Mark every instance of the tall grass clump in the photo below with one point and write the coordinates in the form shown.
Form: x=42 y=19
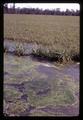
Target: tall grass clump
x=46 y=53
x=75 y=56
x=19 y=49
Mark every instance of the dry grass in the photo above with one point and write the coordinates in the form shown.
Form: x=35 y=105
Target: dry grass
x=57 y=33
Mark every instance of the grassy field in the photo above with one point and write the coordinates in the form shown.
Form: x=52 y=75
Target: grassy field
x=57 y=34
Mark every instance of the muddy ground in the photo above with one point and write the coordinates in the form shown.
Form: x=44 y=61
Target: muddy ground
x=39 y=88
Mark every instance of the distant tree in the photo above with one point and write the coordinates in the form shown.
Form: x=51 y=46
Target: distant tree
x=67 y=12
x=62 y=13
x=57 y=11
x=13 y=7
x=6 y=8
x=72 y=12
x=17 y=10
x=77 y=13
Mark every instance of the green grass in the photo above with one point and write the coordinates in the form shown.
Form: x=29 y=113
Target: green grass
x=55 y=33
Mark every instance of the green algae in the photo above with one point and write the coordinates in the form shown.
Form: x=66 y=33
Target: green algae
x=21 y=77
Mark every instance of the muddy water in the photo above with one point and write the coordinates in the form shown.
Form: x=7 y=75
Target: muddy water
x=36 y=88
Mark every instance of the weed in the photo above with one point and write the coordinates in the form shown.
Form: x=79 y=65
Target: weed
x=19 y=50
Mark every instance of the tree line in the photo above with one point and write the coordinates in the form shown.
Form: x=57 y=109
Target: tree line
x=38 y=11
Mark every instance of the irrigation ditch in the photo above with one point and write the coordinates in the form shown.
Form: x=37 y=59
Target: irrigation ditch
x=34 y=86
x=39 y=51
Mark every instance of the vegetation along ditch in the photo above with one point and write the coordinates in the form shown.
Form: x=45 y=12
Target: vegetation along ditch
x=39 y=51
